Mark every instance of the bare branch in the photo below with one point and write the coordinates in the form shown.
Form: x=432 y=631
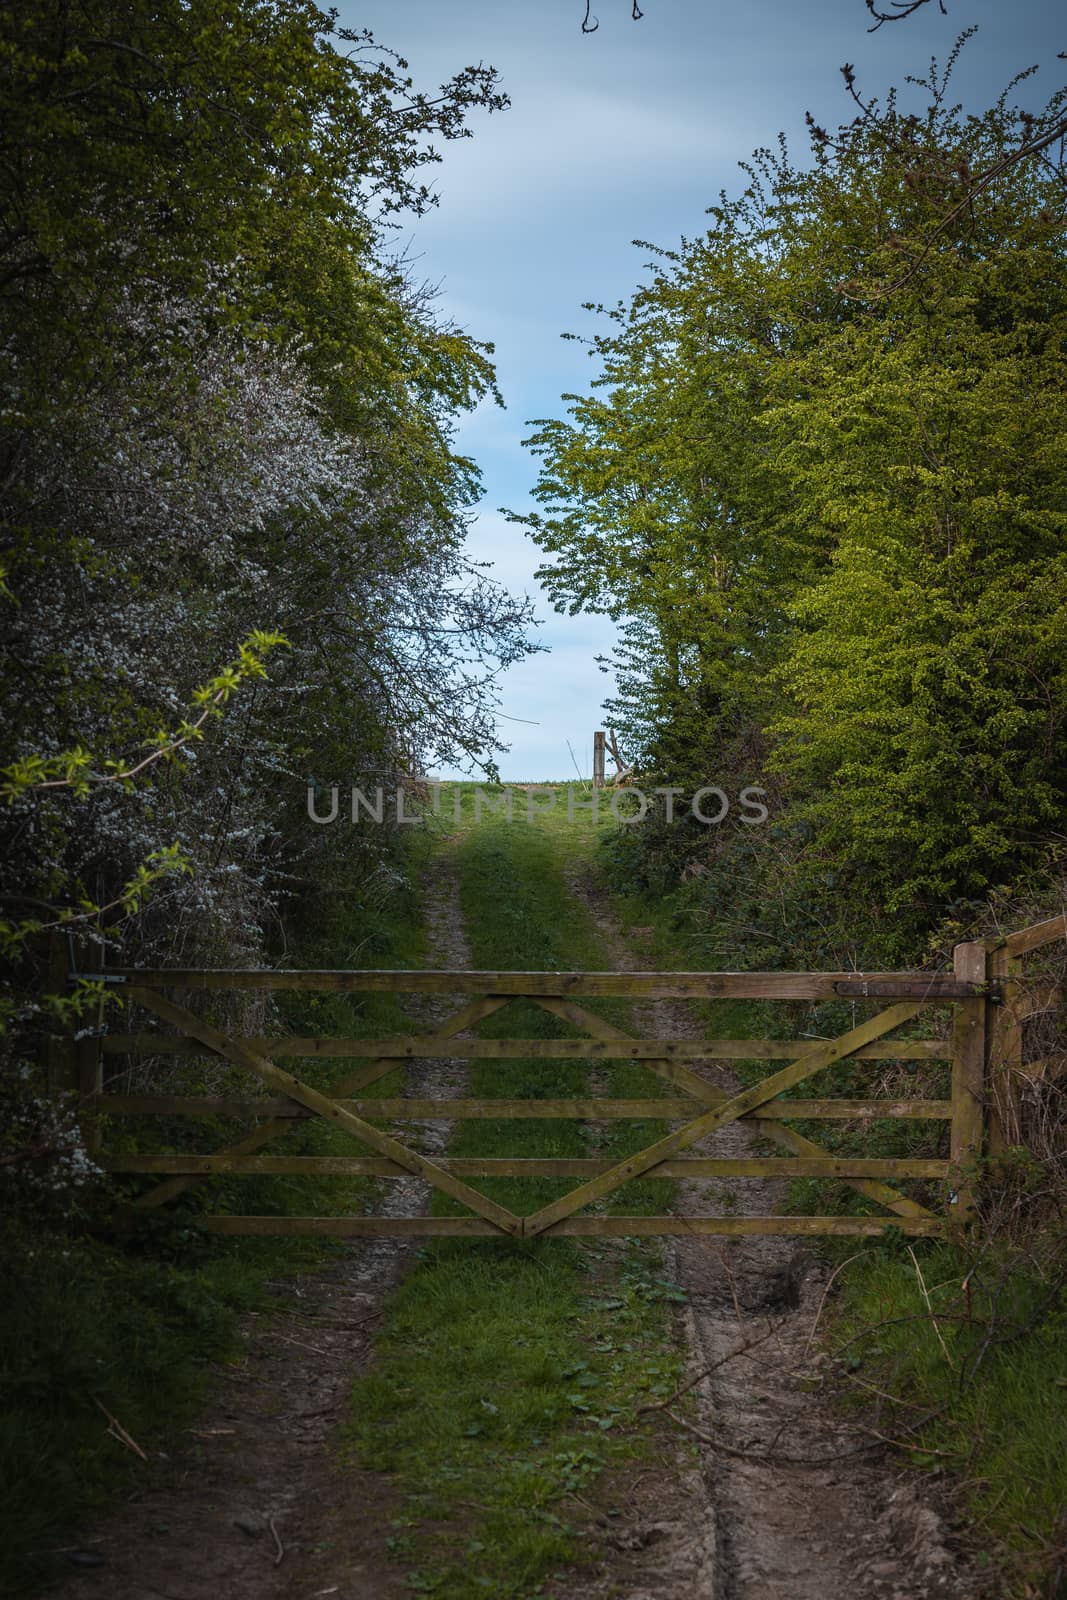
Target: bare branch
x=974 y=187
x=901 y=9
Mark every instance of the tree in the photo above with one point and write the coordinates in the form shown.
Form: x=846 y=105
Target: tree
x=820 y=466
x=227 y=474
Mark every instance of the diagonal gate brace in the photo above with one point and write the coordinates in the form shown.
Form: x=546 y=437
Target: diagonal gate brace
x=685 y=1078
x=814 y=1060
x=323 y=1106
x=256 y=1138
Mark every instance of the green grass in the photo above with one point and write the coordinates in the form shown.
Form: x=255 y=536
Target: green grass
x=992 y=1365
x=502 y=1386
x=521 y=912
x=506 y=1375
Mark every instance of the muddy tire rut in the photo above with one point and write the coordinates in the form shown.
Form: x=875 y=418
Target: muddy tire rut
x=824 y=1517
x=256 y=1505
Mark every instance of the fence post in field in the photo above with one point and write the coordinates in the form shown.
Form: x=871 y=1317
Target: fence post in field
x=968 y=1073
x=598 y=759
x=1005 y=1052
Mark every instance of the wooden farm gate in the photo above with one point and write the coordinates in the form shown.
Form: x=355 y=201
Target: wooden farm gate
x=983 y=1044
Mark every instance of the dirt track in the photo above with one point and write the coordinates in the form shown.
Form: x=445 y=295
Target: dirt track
x=787 y=1503
x=259 y=1475
x=821 y=1517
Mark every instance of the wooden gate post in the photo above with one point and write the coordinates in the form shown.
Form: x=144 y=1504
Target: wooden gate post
x=1005 y=1053
x=968 y=1073
x=73 y=1058
x=598 y=759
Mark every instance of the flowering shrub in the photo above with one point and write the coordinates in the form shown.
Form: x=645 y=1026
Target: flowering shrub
x=233 y=557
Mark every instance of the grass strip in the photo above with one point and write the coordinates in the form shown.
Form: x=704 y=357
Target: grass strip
x=505 y=1374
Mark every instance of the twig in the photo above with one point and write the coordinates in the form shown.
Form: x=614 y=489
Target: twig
x=65 y=1549
x=661 y=1405
x=117 y=1431
x=728 y=1268
x=574 y=758
x=829 y=1284
x=929 y=1305
x=569 y=1494
x=902 y=9
x=364 y=1320
x=896 y=1322
x=902 y=1444
x=277 y=1542
x=776 y=1458
x=883 y=1394
x=315 y=1351
x=168 y=749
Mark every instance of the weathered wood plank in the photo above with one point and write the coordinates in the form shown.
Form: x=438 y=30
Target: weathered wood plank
x=61 y=1074
x=1039 y=933
x=575 y=1227
x=397 y=1108
x=540 y=1167
x=143 y=1105
x=746 y=1227
x=968 y=1073
x=87 y=1058
x=90 y=1068
x=644 y=985
x=166 y=1044
x=815 y=1060
x=924 y=988
x=855 y=1110
x=314 y=1101
x=353 y=1227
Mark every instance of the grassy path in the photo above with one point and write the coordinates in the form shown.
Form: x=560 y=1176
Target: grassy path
x=503 y=1392
x=466 y=1418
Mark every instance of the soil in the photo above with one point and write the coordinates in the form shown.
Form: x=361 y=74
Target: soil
x=257 y=1505
x=825 y=1517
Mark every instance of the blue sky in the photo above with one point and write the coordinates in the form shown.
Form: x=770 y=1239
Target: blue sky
x=627 y=133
